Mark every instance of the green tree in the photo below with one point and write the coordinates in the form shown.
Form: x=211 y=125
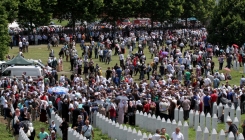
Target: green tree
x=33 y=12
x=78 y=10
x=114 y=10
x=4 y=36
x=227 y=23
x=11 y=8
x=161 y=10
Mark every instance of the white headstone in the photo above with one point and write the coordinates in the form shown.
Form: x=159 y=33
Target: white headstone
x=214 y=121
x=164 y=124
x=226 y=111
x=110 y=127
x=202 y=120
x=125 y=131
x=240 y=137
x=198 y=133
x=176 y=114
x=191 y=118
x=231 y=136
x=145 y=121
x=238 y=113
x=148 y=123
x=214 y=109
x=116 y=131
x=222 y=135
x=226 y=125
x=185 y=130
x=134 y=134
x=180 y=125
x=173 y=126
x=81 y=137
x=232 y=112
x=235 y=121
x=208 y=121
x=139 y=134
x=106 y=125
x=120 y=136
x=141 y=123
x=205 y=134
x=103 y=127
x=220 y=110
x=181 y=114
x=214 y=135
x=137 y=117
x=145 y=137
x=129 y=134
x=159 y=122
x=154 y=123
x=168 y=127
x=196 y=120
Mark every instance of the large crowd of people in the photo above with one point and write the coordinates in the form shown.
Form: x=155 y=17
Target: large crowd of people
x=180 y=72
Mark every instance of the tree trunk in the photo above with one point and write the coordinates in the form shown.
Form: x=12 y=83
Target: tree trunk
x=73 y=25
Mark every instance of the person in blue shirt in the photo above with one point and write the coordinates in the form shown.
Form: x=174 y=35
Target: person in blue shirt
x=119 y=71
x=207 y=102
x=116 y=80
x=104 y=55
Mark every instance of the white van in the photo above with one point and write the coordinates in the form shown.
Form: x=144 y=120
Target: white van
x=17 y=71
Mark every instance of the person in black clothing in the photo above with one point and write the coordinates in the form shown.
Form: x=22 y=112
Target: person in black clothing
x=242 y=100
x=8 y=116
x=84 y=115
x=65 y=109
x=78 y=124
x=64 y=128
x=131 y=113
x=76 y=112
x=16 y=129
x=116 y=66
x=108 y=73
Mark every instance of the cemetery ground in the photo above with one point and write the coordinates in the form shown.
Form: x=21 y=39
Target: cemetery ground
x=41 y=52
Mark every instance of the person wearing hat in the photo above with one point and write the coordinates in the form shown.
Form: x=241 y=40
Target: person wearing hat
x=232 y=128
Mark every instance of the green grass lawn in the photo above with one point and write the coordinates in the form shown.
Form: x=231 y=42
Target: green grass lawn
x=41 y=52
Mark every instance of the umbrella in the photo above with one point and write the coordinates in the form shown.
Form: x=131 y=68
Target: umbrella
x=191 y=19
x=58 y=90
x=227 y=69
x=165 y=53
x=122 y=98
x=168 y=42
x=235 y=45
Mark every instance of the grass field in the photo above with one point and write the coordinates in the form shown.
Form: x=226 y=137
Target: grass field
x=41 y=52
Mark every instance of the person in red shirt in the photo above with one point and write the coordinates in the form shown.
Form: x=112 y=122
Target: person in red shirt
x=146 y=107
x=113 y=113
x=213 y=99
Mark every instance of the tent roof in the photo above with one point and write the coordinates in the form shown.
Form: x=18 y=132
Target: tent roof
x=19 y=60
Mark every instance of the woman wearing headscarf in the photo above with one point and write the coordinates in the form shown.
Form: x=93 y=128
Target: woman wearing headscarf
x=64 y=127
x=131 y=113
x=32 y=132
x=43 y=108
x=121 y=111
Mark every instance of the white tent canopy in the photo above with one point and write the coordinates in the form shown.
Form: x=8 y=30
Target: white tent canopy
x=13 y=25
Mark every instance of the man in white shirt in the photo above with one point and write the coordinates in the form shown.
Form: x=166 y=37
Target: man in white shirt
x=157 y=136
x=177 y=135
x=20 y=45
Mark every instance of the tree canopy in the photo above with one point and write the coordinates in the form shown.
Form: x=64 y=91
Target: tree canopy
x=4 y=37
x=227 y=23
x=114 y=10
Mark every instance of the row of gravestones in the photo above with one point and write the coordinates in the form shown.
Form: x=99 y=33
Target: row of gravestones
x=117 y=131
x=205 y=135
x=72 y=134
x=22 y=135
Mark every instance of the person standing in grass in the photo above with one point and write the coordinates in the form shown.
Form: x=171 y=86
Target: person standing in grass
x=43 y=134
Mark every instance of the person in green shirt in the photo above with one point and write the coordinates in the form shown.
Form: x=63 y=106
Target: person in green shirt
x=42 y=134
x=187 y=75
x=163 y=132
